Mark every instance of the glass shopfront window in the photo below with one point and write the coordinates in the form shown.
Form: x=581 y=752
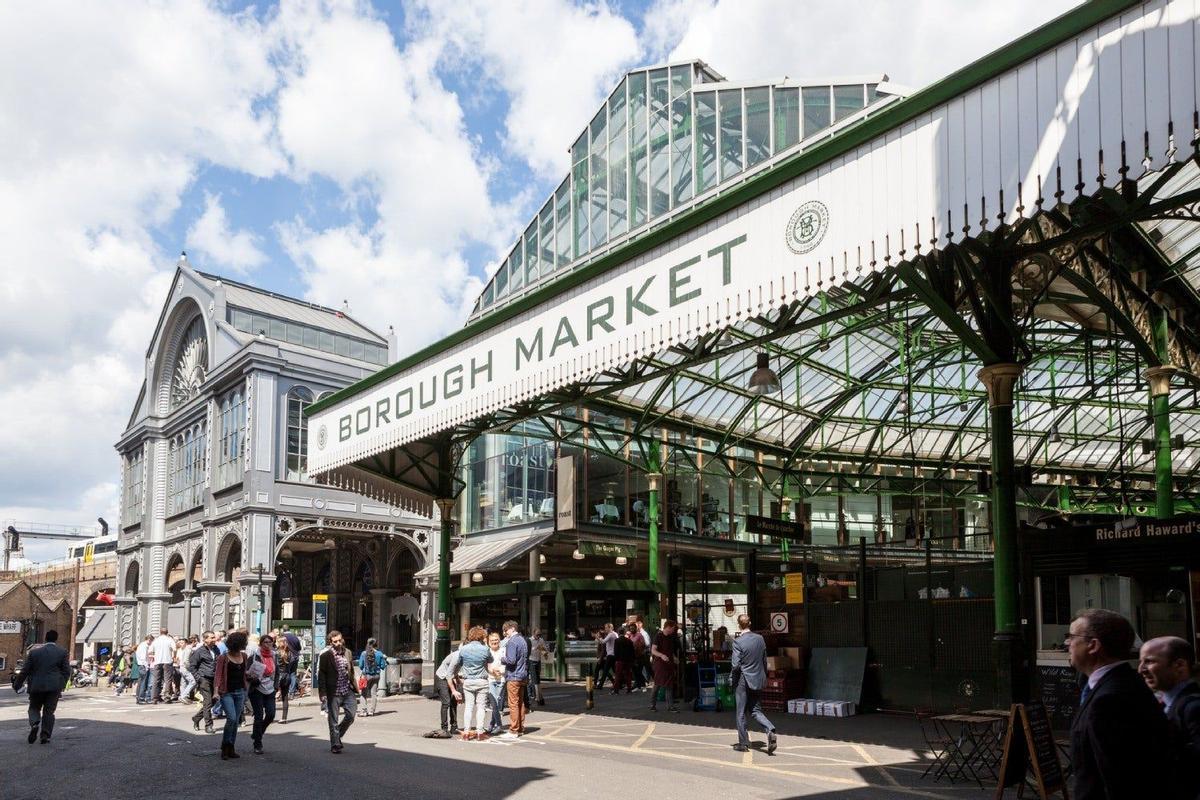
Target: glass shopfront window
x=509 y=481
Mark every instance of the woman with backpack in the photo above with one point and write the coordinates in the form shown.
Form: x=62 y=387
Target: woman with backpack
x=261 y=676
x=229 y=686
x=371 y=664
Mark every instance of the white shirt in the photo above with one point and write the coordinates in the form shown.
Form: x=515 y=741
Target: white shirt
x=497 y=662
x=184 y=653
x=449 y=666
x=143 y=654
x=1100 y=672
x=610 y=642
x=163 y=648
x=646 y=637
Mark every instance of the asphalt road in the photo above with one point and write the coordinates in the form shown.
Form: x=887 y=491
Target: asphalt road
x=111 y=748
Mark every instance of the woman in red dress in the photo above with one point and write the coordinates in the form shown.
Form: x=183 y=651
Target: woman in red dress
x=664 y=658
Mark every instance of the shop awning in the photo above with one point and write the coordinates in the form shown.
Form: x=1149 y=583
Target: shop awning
x=490 y=555
x=97 y=628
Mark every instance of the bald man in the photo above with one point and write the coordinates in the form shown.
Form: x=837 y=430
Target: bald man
x=1166 y=664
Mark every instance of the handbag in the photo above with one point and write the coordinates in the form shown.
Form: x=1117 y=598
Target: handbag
x=362 y=683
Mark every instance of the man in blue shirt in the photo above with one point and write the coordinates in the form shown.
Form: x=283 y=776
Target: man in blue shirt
x=516 y=676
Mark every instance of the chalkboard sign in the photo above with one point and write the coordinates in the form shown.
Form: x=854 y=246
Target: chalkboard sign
x=836 y=673
x=1059 y=692
x=1029 y=747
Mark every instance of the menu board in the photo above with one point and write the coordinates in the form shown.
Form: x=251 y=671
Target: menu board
x=1059 y=693
x=1029 y=747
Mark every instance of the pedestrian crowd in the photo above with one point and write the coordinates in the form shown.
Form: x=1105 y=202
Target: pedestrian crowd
x=245 y=679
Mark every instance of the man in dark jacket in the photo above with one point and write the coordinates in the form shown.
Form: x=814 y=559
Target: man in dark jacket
x=45 y=672
x=337 y=688
x=1167 y=664
x=201 y=664
x=1119 y=737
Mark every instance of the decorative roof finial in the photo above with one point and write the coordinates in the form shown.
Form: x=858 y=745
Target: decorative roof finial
x=182 y=262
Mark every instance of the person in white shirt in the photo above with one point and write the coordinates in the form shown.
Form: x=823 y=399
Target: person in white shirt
x=142 y=656
x=162 y=649
x=537 y=651
x=187 y=681
x=609 y=638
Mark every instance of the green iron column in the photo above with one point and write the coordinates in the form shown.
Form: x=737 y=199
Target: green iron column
x=654 y=479
x=652 y=609
x=560 y=633
x=1160 y=401
x=441 y=647
x=1000 y=379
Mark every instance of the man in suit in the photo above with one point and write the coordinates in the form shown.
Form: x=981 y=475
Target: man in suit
x=45 y=672
x=1167 y=664
x=1119 y=737
x=749 y=667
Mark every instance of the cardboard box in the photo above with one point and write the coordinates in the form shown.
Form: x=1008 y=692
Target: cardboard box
x=781 y=661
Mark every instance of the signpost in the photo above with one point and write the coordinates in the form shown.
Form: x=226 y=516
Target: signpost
x=1029 y=746
x=320 y=621
x=782 y=528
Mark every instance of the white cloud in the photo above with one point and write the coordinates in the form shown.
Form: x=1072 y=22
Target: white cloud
x=914 y=43
x=109 y=112
x=210 y=234
x=555 y=62
x=401 y=143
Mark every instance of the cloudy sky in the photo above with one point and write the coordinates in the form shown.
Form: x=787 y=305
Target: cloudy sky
x=385 y=154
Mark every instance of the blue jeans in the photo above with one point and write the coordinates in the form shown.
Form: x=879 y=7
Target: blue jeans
x=231 y=704
x=143 y=687
x=499 y=700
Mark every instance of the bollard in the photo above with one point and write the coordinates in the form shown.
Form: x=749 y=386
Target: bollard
x=591 y=687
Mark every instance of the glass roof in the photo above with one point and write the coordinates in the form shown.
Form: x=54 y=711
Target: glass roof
x=666 y=139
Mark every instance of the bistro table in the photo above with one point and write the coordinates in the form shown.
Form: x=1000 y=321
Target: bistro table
x=972 y=747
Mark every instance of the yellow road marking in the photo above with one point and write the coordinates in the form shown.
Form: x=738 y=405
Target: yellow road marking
x=867 y=757
x=855 y=783
x=644 y=736
x=748 y=758
x=562 y=728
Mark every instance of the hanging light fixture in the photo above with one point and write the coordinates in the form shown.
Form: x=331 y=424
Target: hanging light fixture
x=902 y=406
x=1055 y=434
x=477 y=577
x=763 y=380
x=541 y=558
x=599 y=577
x=578 y=556
x=622 y=561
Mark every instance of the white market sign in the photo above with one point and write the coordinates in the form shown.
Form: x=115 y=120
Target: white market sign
x=10 y=626
x=1003 y=148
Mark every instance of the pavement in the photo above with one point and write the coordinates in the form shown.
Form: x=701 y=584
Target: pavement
x=109 y=747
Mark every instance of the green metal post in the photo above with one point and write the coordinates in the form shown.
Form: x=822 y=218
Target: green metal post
x=1012 y=668
x=1064 y=497
x=441 y=647
x=1160 y=401
x=560 y=633
x=652 y=544
x=1000 y=380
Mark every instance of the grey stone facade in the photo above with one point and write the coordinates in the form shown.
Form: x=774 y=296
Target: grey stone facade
x=213 y=484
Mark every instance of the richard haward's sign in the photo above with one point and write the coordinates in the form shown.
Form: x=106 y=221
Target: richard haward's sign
x=1149 y=530
x=939 y=166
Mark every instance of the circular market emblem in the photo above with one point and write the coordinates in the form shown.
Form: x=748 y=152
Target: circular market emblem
x=322 y=437
x=807 y=227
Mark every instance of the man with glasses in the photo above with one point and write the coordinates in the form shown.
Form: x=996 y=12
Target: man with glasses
x=1119 y=737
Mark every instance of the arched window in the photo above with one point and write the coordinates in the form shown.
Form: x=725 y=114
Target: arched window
x=298 y=399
